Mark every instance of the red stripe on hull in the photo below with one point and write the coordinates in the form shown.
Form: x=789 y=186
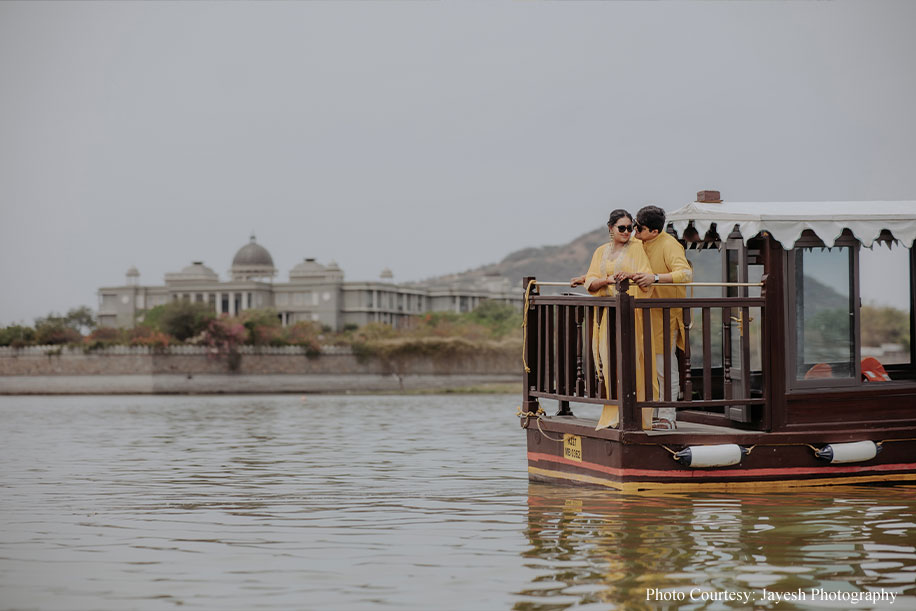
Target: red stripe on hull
x=727 y=472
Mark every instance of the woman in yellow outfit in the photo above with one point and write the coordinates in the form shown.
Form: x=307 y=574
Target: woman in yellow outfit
x=620 y=258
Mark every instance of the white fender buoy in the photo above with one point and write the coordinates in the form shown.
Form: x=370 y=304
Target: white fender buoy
x=710 y=456
x=856 y=451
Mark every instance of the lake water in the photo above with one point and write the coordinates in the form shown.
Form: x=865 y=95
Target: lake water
x=386 y=502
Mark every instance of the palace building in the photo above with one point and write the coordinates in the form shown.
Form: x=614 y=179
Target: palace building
x=314 y=292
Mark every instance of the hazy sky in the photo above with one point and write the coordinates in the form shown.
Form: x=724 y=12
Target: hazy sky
x=424 y=137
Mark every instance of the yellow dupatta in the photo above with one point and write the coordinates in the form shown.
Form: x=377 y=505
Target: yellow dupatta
x=631 y=260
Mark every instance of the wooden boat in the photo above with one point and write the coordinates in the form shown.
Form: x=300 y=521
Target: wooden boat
x=773 y=392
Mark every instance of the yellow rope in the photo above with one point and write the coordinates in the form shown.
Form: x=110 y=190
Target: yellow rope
x=560 y=440
x=520 y=413
x=538 y=415
x=525 y=325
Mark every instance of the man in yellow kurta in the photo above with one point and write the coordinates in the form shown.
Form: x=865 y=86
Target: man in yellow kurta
x=669 y=264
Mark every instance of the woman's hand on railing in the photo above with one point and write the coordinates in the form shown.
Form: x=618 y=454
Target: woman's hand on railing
x=595 y=285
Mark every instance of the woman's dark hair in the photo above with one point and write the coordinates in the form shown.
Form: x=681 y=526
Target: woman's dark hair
x=616 y=215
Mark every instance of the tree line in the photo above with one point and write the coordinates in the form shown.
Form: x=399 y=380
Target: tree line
x=182 y=322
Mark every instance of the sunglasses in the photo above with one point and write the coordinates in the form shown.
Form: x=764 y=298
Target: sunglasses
x=624 y=228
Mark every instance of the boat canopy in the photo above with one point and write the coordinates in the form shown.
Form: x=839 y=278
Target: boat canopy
x=786 y=221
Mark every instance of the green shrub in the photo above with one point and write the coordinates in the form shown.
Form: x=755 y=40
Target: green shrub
x=82 y=319
x=17 y=336
x=180 y=319
x=500 y=318
x=376 y=331
x=885 y=325
x=55 y=331
x=263 y=326
x=103 y=337
x=147 y=336
x=224 y=336
x=78 y=319
x=306 y=334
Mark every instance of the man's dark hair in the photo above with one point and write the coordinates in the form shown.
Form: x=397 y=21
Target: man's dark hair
x=652 y=217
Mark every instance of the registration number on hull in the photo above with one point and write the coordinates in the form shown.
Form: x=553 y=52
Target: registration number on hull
x=572 y=447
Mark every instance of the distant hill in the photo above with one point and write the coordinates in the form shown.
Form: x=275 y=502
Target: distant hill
x=554 y=263
x=820 y=297
x=559 y=263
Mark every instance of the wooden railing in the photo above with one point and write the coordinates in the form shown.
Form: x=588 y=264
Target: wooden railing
x=560 y=341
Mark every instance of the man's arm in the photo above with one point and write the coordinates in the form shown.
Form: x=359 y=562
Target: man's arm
x=677 y=264
x=679 y=269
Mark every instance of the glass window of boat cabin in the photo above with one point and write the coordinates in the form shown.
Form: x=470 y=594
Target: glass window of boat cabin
x=706 y=261
x=834 y=327
x=712 y=261
x=886 y=304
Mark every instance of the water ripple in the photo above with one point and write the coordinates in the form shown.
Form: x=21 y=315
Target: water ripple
x=386 y=503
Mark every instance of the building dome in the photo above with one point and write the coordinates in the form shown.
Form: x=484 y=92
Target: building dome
x=308 y=268
x=252 y=253
x=133 y=276
x=252 y=261
x=196 y=272
x=198 y=269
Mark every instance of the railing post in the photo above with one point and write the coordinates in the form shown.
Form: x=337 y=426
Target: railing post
x=770 y=344
x=566 y=346
x=529 y=403
x=625 y=326
x=580 y=377
x=686 y=375
x=727 y=354
x=562 y=364
x=665 y=393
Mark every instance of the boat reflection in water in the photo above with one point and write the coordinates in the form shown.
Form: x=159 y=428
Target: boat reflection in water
x=818 y=549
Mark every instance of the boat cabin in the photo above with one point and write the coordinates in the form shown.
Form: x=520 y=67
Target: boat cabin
x=800 y=318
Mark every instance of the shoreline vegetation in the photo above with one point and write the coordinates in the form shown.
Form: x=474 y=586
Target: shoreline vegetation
x=493 y=388
x=184 y=347
x=491 y=326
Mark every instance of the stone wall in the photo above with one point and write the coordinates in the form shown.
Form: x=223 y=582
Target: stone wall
x=192 y=369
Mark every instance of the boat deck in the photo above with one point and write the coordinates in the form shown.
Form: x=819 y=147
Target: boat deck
x=683 y=427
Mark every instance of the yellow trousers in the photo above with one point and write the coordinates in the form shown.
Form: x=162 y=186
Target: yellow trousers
x=610 y=414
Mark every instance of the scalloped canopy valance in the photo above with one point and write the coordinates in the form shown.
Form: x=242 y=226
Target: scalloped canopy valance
x=786 y=221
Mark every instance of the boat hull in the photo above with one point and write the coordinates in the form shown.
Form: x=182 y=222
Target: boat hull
x=564 y=452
